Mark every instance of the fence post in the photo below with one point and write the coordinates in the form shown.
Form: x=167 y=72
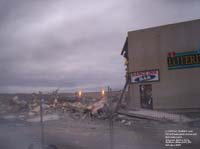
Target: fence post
x=109 y=96
x=41 y=120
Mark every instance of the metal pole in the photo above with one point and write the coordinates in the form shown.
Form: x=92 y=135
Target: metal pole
x=110 y=118
x=121 y=96
x=41 y=123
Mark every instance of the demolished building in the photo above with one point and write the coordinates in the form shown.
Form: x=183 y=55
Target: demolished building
x=163 y=67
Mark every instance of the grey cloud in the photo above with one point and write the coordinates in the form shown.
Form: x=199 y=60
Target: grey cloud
x=74 y=44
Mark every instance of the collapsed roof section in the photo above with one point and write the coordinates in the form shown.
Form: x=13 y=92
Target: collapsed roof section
x=125 y=49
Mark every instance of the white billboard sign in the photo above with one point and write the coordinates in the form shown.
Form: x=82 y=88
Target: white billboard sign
x=145 y=76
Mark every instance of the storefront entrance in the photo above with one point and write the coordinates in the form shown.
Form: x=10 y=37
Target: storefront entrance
x=146 y=96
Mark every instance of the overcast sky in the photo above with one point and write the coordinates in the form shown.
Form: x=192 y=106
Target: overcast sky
x=75 y=44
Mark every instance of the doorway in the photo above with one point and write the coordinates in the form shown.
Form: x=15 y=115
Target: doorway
x=146 y=96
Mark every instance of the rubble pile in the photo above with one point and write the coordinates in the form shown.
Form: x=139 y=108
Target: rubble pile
x=80 y=107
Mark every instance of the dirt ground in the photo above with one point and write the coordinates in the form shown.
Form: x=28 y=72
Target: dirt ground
x=76 y=133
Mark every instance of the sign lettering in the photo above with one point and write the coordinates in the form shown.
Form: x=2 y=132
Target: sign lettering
x=184 y=60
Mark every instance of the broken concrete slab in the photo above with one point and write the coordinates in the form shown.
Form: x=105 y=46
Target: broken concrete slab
x=36 y=109
x=50 y=117
x=9 y=117
x=97 y=106
x=156 y=115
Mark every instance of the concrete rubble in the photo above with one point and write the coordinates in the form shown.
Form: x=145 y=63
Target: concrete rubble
x=53 y=105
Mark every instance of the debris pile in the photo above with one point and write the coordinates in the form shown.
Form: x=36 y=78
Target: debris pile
x=54 y=103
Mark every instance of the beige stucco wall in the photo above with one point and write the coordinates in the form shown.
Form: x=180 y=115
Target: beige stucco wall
x=148 y=49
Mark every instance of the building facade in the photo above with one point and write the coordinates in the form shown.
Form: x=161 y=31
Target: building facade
x=163 y=66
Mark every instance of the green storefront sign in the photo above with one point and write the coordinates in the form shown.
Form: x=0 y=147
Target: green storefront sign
x=183 y=60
